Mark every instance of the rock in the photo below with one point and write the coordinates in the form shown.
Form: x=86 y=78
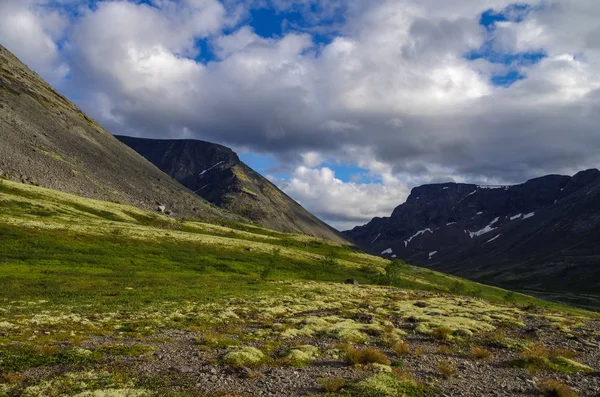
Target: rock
x=182 y=369
x=421 y=304
x=245 y=372
x=351 y=281
x=161 y=208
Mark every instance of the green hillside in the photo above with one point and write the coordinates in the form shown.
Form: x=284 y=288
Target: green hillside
x=104 y=299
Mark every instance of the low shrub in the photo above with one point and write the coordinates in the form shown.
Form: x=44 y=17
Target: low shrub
x=441 y=333
x=401 y=348
x=331 y=385
x=447 y=369
x=555 y=388
x=480 y=353
x=366 y=356
x=446 y=350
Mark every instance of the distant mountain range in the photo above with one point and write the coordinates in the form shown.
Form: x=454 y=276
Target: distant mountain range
x=216 y=173
x=542 y=236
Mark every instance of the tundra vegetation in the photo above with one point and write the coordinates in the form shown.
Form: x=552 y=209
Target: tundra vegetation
x=103 y=299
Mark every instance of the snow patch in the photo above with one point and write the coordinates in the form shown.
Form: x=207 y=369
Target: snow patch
x=493 y=186
x=446 y=188
x=415 y=235
x=473 y=192
x=196 y=191
x=208 y=169
x=432 y=254
x=485 y=230
x=387 y=251
x=512 y=218
x=376 y=238
x=527 y=216
x=492 y=239
x=480 y=212
x=451 y=223
x=393 y=256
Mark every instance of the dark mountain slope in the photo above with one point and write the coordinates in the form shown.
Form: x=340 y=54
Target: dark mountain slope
x=542 y=236
x=47 y=141
x=216 y=173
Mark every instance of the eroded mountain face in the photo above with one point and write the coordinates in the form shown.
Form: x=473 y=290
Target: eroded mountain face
x=541 y=235
x=216 y=173
x=47 y=141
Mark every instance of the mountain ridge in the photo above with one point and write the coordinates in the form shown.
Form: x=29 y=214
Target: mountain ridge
x=536 y=236
x=216 y=173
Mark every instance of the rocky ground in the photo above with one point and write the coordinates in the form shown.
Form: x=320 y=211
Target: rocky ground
x=303 y=342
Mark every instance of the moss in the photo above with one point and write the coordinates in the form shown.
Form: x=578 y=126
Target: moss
x=115 y=393
x=388 y=385
x=246 y=356
x=377 y=367
x=564 y=364
x=303 y=354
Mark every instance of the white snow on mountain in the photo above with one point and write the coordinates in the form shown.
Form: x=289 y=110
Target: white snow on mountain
x=485 y=230
x=415 y=235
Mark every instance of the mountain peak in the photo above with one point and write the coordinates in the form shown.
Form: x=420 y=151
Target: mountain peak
x=216 y=173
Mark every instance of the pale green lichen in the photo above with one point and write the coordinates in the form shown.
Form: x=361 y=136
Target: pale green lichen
x=303 y=354
x=571 y=365
x=385 y=384
x=377 y=367
x=244 y=357
x=115 y=393
x=7 y=325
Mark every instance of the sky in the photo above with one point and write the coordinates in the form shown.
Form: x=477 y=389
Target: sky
x=345 y=105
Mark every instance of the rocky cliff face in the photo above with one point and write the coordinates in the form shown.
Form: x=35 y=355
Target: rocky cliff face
x=216 y=173
x=542 y=236
x=47 y=141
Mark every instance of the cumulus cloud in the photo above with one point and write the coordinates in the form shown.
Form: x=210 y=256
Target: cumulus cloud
x=330 y=197
x=32 y=29
x=394 y=91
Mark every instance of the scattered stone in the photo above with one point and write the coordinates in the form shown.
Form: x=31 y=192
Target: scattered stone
x=351 y=281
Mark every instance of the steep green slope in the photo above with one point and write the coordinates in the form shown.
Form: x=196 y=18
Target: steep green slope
x=47 y=141
x=216 y=173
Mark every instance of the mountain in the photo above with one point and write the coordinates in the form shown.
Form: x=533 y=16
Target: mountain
x=216 y=173
x=542 y=236
x=47 y=141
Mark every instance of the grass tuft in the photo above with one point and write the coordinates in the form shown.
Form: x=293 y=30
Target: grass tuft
x=555 y=388
x=480 y=353
x=441 y=333
x=331 y=385
x=447 y=369
x=366 y=356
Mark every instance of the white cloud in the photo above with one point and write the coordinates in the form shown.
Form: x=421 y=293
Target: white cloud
x=31 y=32
x=342 y=204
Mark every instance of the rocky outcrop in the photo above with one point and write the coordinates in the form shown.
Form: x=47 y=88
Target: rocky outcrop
x=216 y=173
x=540 y=236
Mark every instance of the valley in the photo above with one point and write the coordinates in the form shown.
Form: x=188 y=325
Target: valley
x=98 y=298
